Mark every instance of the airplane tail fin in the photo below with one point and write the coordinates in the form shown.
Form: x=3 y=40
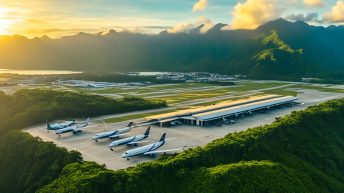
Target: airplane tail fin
x=163 y=137
x=48 y=125
x=87 y=120
x=147 y=131
x=130 y=124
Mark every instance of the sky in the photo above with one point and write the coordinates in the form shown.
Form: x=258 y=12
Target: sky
x=57 y=18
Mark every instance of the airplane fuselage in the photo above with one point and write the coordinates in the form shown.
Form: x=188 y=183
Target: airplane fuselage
x=66 y=130
x=128 y=140
x=58 y=126
x=143 y=149
x=110 y=134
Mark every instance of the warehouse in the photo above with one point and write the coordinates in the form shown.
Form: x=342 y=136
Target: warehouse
x=190 y=112
x=223 y=111
x=204 y=119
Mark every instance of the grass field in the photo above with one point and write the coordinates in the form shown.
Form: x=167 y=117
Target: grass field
x=282 y=91
x=135 y=116
x=238 y=89
x=319 y=88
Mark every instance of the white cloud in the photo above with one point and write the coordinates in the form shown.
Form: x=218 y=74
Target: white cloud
x=200 y=5
x=187 y=27
x=310 y=17
x=252 y=13
x=336 y=15
x=181 y=28
x=313 y=3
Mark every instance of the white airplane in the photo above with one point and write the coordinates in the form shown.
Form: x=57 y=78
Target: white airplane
x=113 y=134
x=148 y=149
x=76 y=128
x=57 y=126
x=134 y=140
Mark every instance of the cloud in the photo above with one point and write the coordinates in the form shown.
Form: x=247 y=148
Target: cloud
x=200 y=5
x=187 y=27
x=252 y=13
x=313 y=3
x=336 y=15
x=310 y=17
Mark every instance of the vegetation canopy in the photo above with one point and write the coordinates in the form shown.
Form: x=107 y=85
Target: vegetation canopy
x=32 y=106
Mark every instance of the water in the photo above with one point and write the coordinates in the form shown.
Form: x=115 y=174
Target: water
x=37 y=72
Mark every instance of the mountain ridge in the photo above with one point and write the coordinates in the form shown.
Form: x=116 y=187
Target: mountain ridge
x=218 y=50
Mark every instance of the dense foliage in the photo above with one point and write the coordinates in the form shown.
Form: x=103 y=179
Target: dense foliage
x=27 y=163
x=302 y=152
x=27 y=107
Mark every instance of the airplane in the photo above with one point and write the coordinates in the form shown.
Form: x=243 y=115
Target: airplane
x=74 y=128
x=148 y=149
x=57 y=126
x=113 y=134
x=134 y=140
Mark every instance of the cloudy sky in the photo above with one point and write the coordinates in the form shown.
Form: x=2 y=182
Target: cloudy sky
x=65 y=17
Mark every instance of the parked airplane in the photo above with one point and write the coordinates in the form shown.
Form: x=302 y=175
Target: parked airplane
x=148 y=149
x=134 y=140
x=76 y=128
x=113 y=134
x=57 y=126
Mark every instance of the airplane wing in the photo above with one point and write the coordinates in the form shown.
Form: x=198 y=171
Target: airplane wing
x=161 y=151
x=81 y=126
x=137 y=142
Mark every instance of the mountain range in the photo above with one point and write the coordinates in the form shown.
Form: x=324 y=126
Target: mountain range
x=279 y=49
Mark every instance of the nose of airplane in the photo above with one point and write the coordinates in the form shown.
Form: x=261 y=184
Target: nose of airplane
x=112 y=144
x=124 y=155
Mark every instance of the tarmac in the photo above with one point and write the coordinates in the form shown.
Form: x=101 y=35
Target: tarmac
x=183 y=135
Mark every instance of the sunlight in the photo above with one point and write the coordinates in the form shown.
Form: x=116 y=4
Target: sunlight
x=5 y=23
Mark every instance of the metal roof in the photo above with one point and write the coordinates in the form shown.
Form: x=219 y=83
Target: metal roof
x=210 y=108
x=243 y=108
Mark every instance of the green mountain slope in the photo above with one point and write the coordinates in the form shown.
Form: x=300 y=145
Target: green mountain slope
x=302 y=152
x=276 y=55
x=273 y=58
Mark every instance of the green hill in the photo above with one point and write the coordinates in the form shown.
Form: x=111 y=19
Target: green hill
x=274 y=59
x=302 y=152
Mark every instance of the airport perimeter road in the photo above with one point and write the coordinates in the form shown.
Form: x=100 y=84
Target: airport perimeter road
x=184 y=135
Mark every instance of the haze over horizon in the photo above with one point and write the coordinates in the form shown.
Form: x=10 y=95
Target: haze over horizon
x=34 y=18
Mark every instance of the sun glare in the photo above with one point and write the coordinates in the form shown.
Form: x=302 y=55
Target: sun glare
x=5 y=23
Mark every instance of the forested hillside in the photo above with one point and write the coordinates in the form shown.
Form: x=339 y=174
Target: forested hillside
x=302 y=152
x=27 y=107
x=277 y=50
x=27 y=163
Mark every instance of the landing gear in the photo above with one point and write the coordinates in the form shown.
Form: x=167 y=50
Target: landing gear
x=111 y=149
x=127 y=158
x=59 y=136
x=96 y=140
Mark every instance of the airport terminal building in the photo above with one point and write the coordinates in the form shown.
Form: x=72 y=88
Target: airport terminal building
x=212 y=114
